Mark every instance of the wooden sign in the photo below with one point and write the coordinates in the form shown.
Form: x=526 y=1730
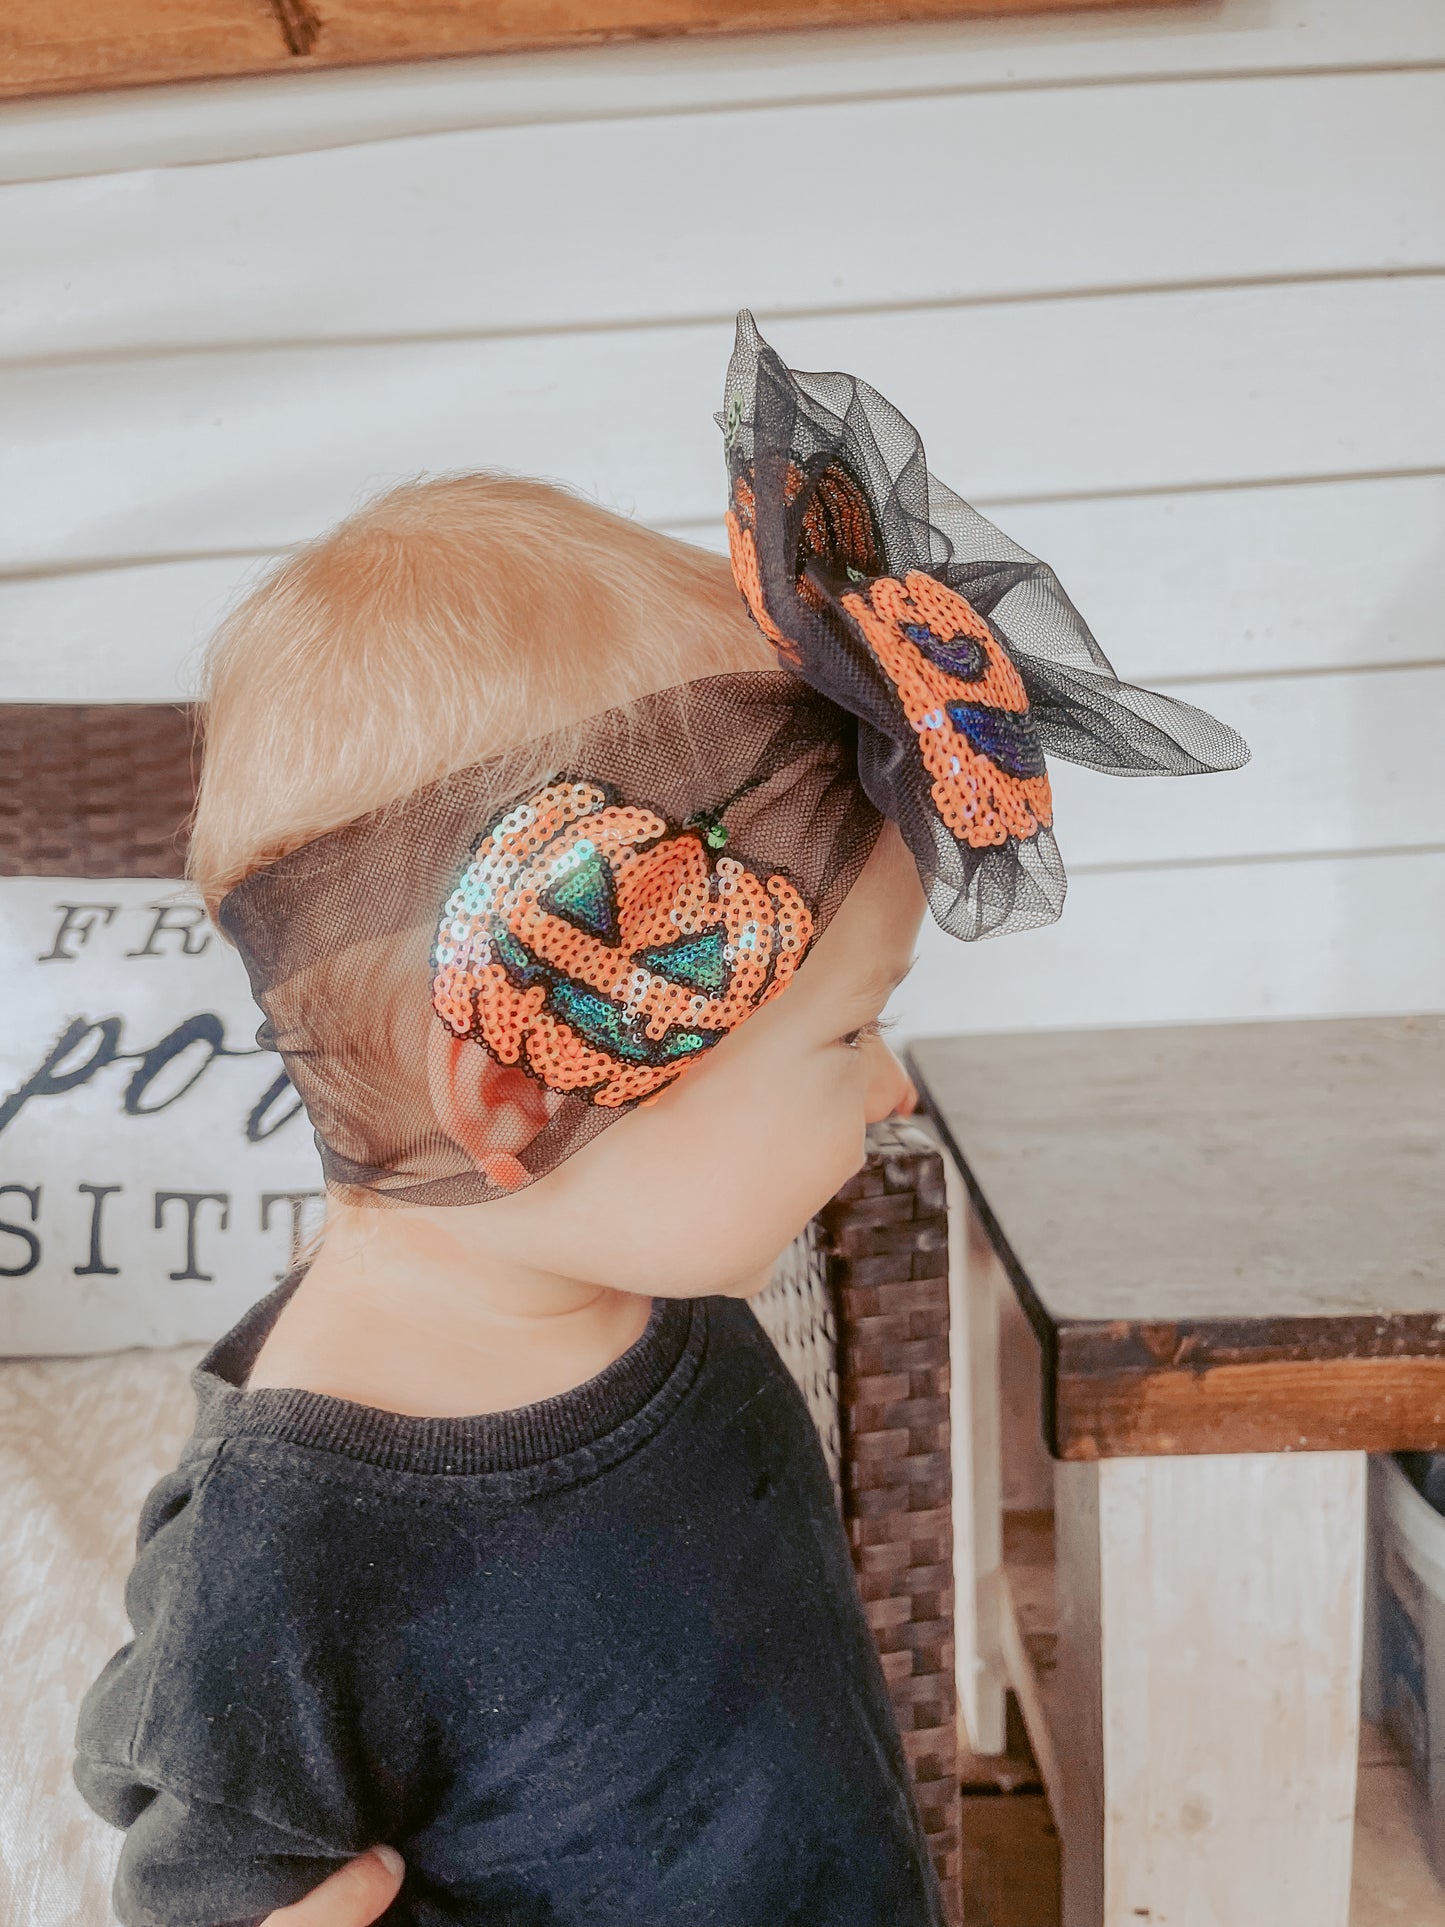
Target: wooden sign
x=156 y=1170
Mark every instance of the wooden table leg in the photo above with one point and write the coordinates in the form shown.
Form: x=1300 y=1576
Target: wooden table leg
x=1209 y=1688
x=973 y=1324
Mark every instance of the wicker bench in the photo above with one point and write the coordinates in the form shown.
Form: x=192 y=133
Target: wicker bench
x=859 y=1310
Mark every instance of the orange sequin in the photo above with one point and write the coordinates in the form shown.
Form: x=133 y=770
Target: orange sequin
x=743 y=551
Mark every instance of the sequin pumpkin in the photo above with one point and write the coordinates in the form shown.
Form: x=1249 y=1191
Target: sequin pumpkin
x=603 y=949
x=971 y=717
x=961 y=694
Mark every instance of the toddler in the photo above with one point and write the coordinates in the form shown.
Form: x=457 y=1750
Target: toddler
x=573 y=899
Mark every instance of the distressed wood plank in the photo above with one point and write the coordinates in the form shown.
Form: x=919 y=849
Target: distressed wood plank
x=1240 y=1576
x=1264 y=1404
x=96 y=43
x=56 y=46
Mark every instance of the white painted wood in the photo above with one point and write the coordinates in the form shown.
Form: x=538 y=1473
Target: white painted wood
x=1340 y=762
x=132 y=634
x=1034 y=1686
x=1237 y=483
x=152 y=127
x=978 y=1583
x=1209 y=1658
x=1213 y=943
x=1253 y=581
x=181 y=455
x=523 y=229
x=1233 y=582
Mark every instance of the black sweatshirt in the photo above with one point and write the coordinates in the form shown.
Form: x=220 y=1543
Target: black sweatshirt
x=595 y=1662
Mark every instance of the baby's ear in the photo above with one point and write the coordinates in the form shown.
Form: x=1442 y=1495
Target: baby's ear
x=493 y=1111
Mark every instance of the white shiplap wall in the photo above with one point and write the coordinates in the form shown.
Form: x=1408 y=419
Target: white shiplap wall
x=1164 y=291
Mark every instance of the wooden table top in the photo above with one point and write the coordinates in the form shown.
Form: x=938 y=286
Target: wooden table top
x=1227 y=1238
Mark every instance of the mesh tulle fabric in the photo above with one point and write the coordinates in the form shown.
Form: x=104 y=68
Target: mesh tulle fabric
x=730 y=799
x=830 y=494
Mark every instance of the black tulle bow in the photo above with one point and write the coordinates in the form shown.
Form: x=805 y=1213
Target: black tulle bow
x=958 y=652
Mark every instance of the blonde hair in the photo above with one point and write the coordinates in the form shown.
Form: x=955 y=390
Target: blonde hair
x=444 y=622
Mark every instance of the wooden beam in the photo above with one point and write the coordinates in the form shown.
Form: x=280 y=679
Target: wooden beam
x=65 y=46
x=1266 y=1405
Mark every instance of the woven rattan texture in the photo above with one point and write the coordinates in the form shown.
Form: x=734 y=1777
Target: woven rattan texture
x=94 y=789
x=886 y=1234
x=796 y=1310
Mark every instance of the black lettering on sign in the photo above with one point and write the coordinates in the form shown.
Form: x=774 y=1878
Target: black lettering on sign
x=95 y=1266
x=193 y=1200
x=23 y=1232
x=205 y=1029
x=257 y=1127
x=298 y=1201
x=53 y=1078
x=78 y=921
x=59 y=1071
x=183 y=920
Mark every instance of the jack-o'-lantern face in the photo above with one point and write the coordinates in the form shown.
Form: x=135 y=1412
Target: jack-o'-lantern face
x=960 y=692
x=965 y=702
x=602 y=949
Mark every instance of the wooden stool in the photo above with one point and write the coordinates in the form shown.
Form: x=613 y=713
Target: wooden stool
x=1207 y=1267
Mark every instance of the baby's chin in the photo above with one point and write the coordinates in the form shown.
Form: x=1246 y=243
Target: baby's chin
x=750 y=1286
x=746 y=1287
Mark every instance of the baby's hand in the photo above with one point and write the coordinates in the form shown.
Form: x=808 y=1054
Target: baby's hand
x=354 y=1896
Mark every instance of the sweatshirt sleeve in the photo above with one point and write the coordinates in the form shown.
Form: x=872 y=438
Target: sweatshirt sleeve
x=217 y=1737
x=186 y=1863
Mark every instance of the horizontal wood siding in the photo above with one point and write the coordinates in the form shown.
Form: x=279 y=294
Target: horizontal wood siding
x=1163 y=291
x=140 y=456
x=1241 y=582
x=518 y=230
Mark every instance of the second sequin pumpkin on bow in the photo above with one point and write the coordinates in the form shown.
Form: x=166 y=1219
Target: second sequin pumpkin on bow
x=958 y=651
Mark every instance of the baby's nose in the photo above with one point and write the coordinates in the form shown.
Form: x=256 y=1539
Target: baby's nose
x=891 y=1091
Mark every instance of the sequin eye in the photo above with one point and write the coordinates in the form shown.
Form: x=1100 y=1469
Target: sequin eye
x=962 y=656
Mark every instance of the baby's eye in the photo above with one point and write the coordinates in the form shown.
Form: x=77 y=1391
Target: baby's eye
x=875 y=1027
